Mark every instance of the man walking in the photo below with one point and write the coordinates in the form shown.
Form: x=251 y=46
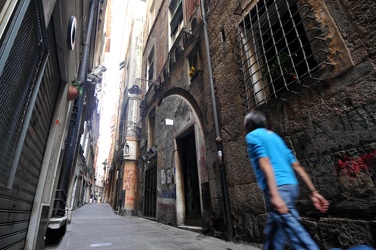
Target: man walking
x=275 y=166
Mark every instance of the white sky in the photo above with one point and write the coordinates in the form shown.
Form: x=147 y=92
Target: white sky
x=110 y=87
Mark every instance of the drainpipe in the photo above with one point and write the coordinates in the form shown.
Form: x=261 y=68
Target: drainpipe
x=217 y=131
x=75 y=123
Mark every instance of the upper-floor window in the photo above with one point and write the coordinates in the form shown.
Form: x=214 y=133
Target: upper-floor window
x=194 y=61
x=127 y=150
x=151 y=70
x=150 y=67
x=176 y=18
x=151 y=16
x=275 y=50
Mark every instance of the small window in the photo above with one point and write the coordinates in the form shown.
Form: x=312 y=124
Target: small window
x=176 y=12
x=150 y=67
x=195 y=60
x=275 y=51
x=194 y=63
x=127 y=149
x=151 y=71
x=151 y=16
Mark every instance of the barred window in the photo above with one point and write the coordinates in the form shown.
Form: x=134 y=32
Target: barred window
x=275 y=50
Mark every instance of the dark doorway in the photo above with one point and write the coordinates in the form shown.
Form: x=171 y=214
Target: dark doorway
x=151 y=188
x=187 y=152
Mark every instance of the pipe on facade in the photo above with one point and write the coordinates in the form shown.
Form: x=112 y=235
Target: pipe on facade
x=217 y=131
x=75 y=122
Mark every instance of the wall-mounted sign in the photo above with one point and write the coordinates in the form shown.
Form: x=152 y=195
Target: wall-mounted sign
x=170 y=122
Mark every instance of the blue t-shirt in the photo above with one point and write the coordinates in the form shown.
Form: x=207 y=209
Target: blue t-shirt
x=265 y=143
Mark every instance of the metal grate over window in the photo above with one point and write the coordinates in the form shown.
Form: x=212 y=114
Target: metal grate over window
x=17 y=82
x=275 y=54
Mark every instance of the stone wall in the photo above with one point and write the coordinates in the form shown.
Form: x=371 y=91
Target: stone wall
x=330 y=125
x=356 y=23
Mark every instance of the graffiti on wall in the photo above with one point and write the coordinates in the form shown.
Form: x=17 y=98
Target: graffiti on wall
x=129 y=184
x=353 y=166
x=163 y=177
x=169 y=176
x=354 y=174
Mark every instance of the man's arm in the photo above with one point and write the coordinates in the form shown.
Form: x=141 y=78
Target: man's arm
x=275 y=200
x=317 y=199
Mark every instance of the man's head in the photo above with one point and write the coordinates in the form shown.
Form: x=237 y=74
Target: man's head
x=253 y=120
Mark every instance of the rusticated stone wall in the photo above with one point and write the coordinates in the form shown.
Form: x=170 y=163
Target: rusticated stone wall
x=331 y=125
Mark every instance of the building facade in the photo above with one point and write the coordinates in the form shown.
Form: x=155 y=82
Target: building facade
x=127 y=125
x=180 y=150
x=40 y=57
x=309 y=65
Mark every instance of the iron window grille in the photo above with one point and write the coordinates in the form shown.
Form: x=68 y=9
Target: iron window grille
x=275 y=54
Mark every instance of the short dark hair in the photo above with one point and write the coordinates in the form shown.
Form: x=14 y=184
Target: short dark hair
x=253 y=120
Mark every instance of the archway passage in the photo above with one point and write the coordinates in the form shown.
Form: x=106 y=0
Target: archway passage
x=187 y=152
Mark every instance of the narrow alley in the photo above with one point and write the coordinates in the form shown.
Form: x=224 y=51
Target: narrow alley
x=97 y=226
x=140 y=106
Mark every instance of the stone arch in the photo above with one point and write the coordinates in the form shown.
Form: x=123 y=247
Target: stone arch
x=180 y=106
x=185 y=94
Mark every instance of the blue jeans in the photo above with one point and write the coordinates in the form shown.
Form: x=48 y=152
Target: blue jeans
x=286 y=227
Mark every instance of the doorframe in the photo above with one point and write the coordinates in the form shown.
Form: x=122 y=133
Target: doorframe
x=149 y=166
x=179 y=177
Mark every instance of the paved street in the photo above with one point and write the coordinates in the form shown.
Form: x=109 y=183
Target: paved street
x=97 y=226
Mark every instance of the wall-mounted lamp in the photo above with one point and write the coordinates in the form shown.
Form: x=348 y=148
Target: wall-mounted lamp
x=93 y=79
x=135 y=90
x=144 y=157
x=95 y=76
x=157 y=82
x=152 y=150
x=149 y=154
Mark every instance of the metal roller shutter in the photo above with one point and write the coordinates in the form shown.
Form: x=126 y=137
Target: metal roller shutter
x=22 y=64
